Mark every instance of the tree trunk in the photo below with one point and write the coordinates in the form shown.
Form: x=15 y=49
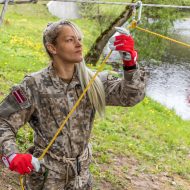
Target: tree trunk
x=93 y=55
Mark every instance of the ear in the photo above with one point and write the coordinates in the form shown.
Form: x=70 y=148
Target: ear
x=51 y=48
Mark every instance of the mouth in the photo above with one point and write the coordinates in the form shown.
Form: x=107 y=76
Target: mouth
x=79 y=51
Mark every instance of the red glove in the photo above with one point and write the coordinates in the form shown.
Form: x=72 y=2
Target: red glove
x=125 y=45
x=21 y=163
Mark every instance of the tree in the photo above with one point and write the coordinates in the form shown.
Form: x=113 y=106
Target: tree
x=96 y=49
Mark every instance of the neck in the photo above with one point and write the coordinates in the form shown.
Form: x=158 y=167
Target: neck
x=64 y=70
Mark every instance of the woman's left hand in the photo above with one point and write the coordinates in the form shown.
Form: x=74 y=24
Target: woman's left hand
x=125 y=45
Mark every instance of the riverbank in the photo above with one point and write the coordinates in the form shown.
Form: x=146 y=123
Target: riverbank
x=145 y=147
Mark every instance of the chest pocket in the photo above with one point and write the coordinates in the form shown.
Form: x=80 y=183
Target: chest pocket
x=57 y=106
x=53 y=107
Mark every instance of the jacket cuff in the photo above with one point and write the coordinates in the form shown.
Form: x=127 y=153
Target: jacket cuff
x=9 y=148
x=128 y=74
x=128 y=68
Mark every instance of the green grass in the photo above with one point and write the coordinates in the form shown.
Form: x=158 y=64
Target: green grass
x=149 y=132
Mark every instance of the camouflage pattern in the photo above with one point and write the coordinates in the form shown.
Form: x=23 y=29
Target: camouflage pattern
x=55 y=181
x=44 y=102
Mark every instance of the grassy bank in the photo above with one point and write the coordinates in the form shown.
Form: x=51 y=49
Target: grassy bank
x=151 y=134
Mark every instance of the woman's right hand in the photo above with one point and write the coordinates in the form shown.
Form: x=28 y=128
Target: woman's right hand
x=22 y=163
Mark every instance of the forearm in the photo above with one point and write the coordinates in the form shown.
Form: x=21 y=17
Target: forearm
x=133 y=87
x=127 y=91
x=7 y=138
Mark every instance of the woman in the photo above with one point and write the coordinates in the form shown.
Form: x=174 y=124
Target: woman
x=45 y=98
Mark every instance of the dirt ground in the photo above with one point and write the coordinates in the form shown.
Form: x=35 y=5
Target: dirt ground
x=135 y=179
x=138 y=180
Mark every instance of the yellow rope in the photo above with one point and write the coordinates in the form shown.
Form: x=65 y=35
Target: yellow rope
x=21 y=182
x=134 y=25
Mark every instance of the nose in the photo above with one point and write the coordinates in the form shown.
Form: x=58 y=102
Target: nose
x=78 y=42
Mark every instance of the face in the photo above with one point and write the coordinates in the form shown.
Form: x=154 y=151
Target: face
x=68 y=46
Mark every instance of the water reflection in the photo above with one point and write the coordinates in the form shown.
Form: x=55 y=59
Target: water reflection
x=170 y=85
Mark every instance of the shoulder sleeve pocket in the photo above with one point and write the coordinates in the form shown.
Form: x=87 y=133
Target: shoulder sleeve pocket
x=15 y=101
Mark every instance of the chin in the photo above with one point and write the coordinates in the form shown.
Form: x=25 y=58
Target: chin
x=79 y=59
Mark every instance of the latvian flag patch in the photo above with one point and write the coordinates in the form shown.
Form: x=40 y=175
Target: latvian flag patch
x=20 y=97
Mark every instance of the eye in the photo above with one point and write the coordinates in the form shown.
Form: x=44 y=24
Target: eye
x=69 y=40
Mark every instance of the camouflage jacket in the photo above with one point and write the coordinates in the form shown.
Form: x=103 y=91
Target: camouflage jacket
x=43 y=100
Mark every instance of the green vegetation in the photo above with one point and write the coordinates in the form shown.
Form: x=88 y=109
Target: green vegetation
x=149 y=132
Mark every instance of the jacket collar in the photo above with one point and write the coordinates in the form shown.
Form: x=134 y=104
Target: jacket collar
x=58 y=82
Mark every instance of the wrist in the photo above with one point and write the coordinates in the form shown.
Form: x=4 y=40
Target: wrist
x=130 y=62
x=11 y=157
x=8 y=159
x=128 y=68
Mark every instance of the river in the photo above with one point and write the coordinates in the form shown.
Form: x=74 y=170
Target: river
x=169 y=82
